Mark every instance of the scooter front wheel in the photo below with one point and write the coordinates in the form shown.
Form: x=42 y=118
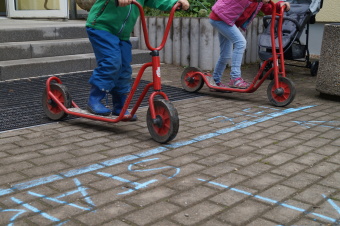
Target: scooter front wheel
x=191 y=81
x=165 y=127
x=51 y=109
x=284 y=94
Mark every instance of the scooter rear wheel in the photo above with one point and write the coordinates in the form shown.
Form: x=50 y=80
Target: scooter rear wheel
x=51 y=108
x=165 y=127
x=284 y=94
x=192 y=82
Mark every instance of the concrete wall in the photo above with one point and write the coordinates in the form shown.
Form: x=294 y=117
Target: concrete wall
x=329 y=12
x=328 y=80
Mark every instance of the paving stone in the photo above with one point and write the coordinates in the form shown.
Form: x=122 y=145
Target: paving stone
x=19 y=158
x=105 y=214
x=220 y=169
x=309 y=159
x=332 y=180
x=16 y=150
x=262 y=222
x=301 y=180
x=193 y=196
x=188 y=182
x=49 y=168
x=85 y=159
x=278 y=159
x=323 y=169
x=11 y=178
x=51 y=158
x=314 y=194
x=197 y=213
x=263 y=181
x=254 y=169
x=151 y=196
x=283 y=214
x=278 y=193
x=244 y=212
x=247 y=159
x=289 y=169
x=152 y=213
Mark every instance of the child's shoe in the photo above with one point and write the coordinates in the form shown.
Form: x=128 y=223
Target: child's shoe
x=238 y=83
x=118 y=101
x=220 y=85
x=94 y=104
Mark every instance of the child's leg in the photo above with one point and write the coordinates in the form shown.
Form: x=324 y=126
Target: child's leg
x=225 y=56
x=108 y=56
x=234 y=35
x=240 y=44
x=225 y=51
x=123 y=83
x=107 y=52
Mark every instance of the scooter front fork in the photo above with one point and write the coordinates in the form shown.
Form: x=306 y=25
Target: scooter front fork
x=152 y=105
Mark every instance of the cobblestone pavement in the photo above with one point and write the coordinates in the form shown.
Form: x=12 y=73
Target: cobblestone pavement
x=237 y=160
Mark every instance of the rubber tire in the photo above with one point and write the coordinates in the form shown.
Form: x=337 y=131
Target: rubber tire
x=196 y=84
x=289 y=92
x=167 y=113
x=51 y=109
x=314 y=68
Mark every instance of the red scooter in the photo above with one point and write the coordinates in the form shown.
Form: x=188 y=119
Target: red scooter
x=162 y=117
x=281 y=90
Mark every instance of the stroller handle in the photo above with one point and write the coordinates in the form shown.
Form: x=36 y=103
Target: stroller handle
x=177 y=6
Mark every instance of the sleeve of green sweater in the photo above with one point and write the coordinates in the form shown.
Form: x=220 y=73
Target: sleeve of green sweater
x=164 y=5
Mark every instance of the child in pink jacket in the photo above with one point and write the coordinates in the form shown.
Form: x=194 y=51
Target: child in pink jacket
x=227 y=17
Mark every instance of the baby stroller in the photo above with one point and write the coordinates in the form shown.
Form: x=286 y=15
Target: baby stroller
x=301 y=14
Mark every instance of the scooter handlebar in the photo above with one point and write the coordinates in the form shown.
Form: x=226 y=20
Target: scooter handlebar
x=177 y=6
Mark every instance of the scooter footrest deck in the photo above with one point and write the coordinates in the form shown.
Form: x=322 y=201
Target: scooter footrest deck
x=86 y=112
x=211 y=81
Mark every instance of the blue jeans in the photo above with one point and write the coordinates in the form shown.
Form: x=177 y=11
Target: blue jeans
x=232 y=46
x=113 y=57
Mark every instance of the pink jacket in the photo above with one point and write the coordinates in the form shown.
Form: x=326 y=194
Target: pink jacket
x=230 y=10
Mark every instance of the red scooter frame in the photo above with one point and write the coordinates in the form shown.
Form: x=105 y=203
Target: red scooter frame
x=281 y=91
x=162 y=117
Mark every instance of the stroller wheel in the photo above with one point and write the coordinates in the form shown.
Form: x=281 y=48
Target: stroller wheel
x=191 y=81
x=284 y=94
x=314 y=68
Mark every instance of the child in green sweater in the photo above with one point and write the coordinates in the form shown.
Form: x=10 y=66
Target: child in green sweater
x=109 y=28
